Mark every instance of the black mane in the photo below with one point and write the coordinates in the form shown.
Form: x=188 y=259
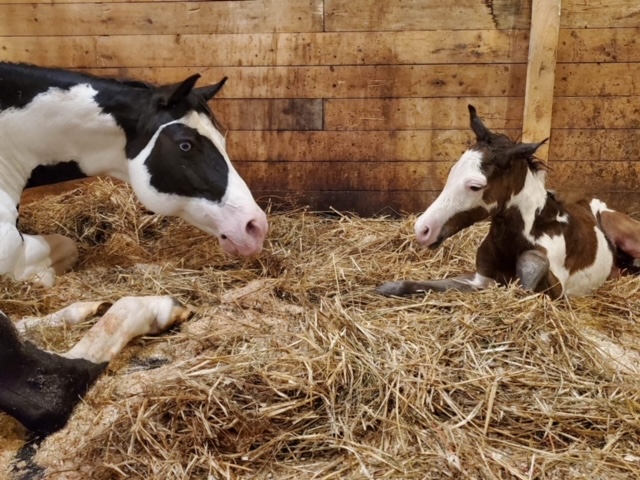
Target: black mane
x=498 y=143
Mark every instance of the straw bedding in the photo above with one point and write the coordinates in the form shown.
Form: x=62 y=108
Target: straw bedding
x=293 y=368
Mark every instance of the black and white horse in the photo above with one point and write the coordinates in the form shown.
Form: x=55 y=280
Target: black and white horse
x=164 y=141
x=161 y=140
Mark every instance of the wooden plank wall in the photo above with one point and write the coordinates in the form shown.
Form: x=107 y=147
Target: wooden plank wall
x=361 y=104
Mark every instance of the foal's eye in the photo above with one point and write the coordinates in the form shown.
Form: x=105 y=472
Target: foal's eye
x=185 y=146
x=475 y=188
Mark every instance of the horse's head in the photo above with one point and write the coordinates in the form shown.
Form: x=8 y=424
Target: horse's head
x=179 y=166
x=485 y=177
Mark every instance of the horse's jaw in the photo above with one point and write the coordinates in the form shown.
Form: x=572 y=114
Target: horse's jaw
x=431 y=233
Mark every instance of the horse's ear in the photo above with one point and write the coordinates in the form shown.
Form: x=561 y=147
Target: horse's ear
x=525 y=150
x=207 y=93
x=482 y=132
x=172 y=94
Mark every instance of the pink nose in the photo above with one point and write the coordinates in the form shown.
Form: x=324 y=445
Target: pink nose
x=257 y=229
x=423 y=235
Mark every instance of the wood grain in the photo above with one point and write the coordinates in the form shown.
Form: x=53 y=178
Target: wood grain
x=135 y=18
x=418 y=176
x=270 y=49
x=538 y=97
x=347 y=81
x=602 y=145
x=602 y=45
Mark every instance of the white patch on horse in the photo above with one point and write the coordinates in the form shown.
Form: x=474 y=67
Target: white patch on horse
x=530 y=200
x=59 y=126
x=582 y=282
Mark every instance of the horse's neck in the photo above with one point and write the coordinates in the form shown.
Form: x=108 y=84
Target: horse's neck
x=62 y=125
x=529 y=201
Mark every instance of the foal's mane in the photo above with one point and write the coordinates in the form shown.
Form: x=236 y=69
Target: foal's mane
x=499 y=143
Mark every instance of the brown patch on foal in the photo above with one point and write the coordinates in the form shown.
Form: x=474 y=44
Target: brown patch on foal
x=580 y=237
x=460 y=221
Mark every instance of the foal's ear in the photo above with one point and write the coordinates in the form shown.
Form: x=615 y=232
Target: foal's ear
x=207 y=93
x=172 y=94
x=482 y=132
x=525 y=150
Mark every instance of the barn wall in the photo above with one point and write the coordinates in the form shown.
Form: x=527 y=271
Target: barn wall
x=361 y=104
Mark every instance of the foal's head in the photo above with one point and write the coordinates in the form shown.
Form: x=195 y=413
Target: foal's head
x=485 y=177
x=179 y=166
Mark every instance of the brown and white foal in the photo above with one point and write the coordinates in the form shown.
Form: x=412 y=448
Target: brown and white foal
x=549 y=246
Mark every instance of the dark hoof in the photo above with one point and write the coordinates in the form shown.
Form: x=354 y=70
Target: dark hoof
x=102 y=309
x=392 y=289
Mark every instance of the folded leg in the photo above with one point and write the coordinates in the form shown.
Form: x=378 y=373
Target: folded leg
x=40 y=389
x=624 y=233
x=463 y=283
x=71 y=315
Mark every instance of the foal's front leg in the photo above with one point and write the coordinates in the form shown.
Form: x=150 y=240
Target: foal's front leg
x=37 y=258
x=469 y=282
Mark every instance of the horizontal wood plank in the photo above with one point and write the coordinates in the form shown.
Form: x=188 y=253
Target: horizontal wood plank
x=263 y=114
x=499 y=113
x=603 y=145
x=270 y=49
x=361 y=15
x=358 y=81
x=352 y=15
x=419 y=176
x=605 y=45
x=421 y=113
x=610 y=44
x=603 y=79
x=129 y=18
x=346 y=81
x=600 y=13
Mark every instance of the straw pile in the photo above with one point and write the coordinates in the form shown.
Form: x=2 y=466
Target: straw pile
x=293 y=368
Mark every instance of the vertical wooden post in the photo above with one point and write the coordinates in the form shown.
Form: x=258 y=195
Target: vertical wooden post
x=538 y=100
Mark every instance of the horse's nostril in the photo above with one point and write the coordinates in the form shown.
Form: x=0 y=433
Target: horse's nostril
x=425 y=232
x=252 y=228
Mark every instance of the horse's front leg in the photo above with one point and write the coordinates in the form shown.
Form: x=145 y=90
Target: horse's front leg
x=36 y=258
x=469 y=282
x=70 y=315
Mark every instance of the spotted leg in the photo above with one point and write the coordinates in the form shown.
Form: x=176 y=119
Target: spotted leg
x=37 y=258
x=41 y=389
x=463 y=283
x=128 y=318
x=70 y=315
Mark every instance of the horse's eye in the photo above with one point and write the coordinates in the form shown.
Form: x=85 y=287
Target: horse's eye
x=475 y=188
x=185 y=146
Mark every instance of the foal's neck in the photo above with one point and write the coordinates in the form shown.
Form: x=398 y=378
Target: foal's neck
x=531 y=199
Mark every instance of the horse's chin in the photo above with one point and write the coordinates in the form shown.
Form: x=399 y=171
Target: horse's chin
x=239 y=249
x=435 y=245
